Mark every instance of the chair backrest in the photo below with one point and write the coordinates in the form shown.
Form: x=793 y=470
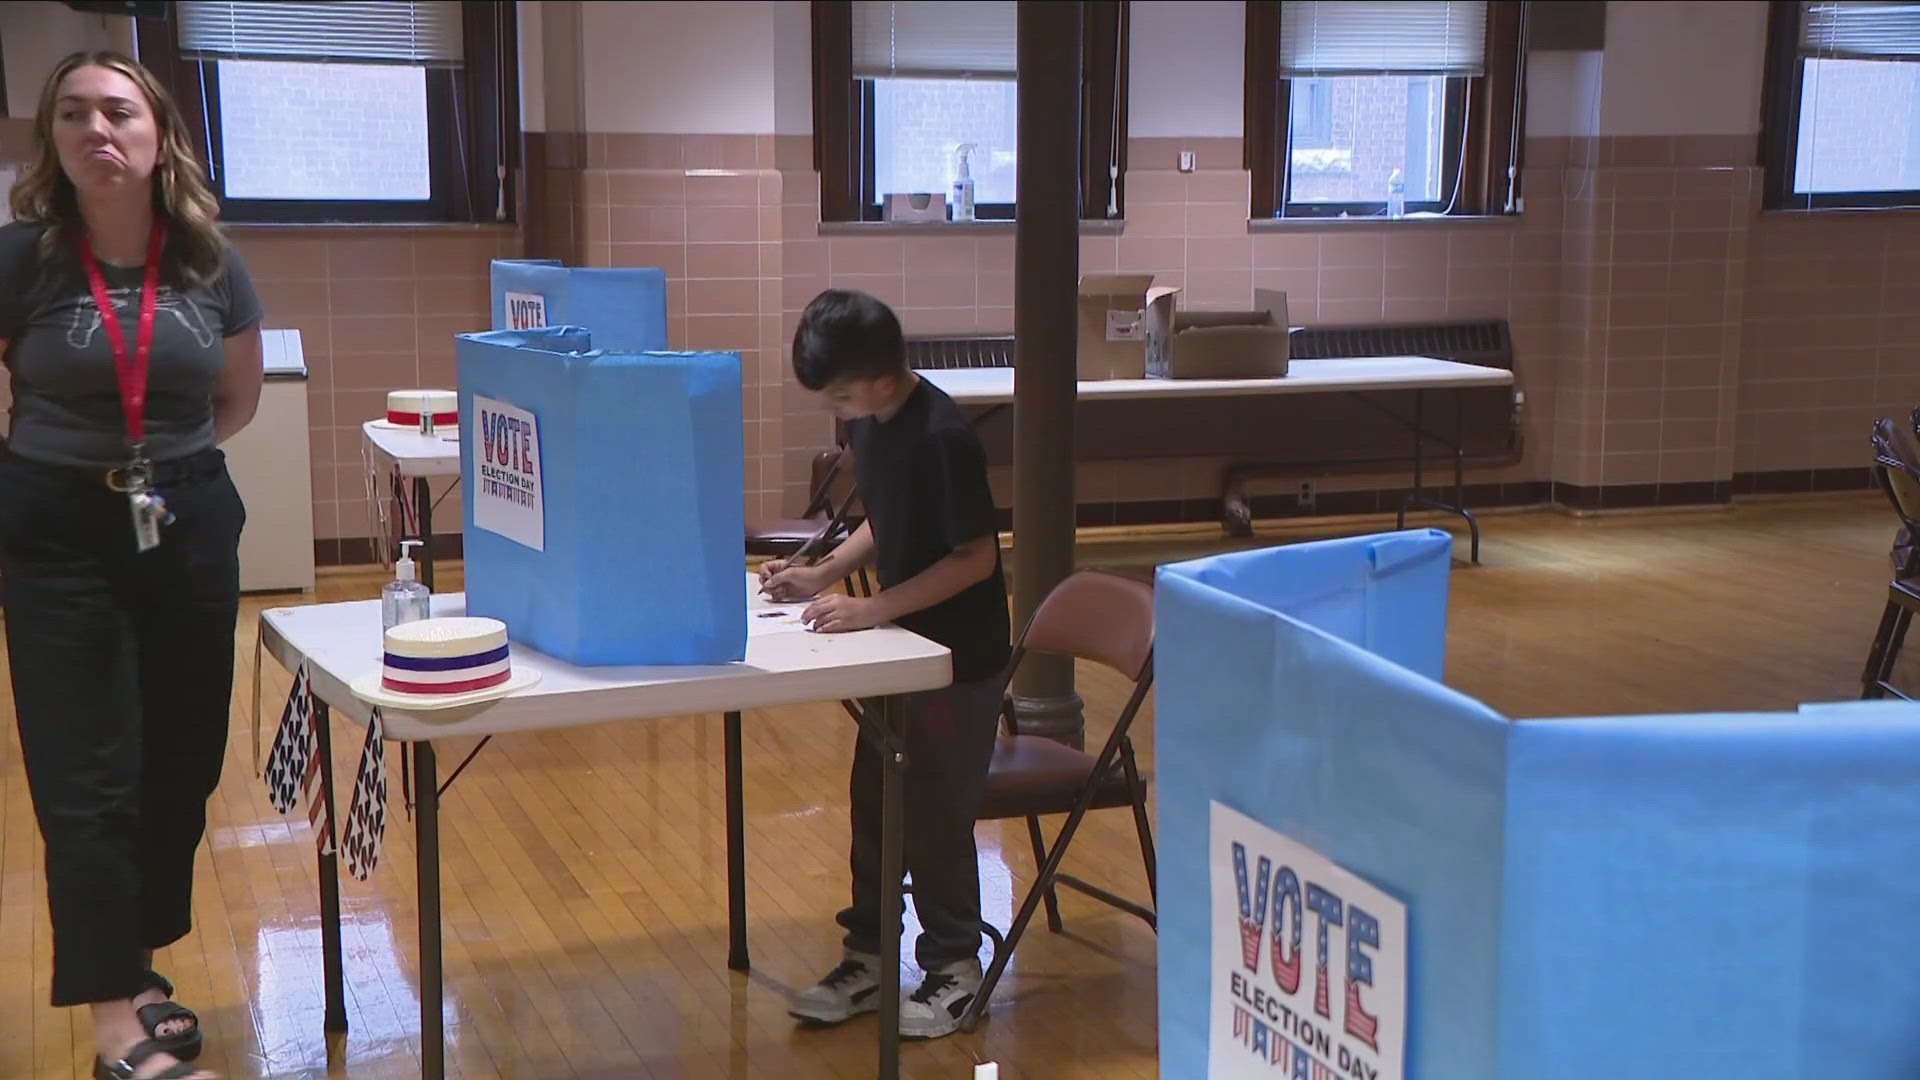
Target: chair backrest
x=1896 y=461
x=830 y=480
x=1096 y=616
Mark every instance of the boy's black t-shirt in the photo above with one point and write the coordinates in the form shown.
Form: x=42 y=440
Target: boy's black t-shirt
x=923 y=479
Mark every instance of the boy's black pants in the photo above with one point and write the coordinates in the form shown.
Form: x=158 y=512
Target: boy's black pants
x=949 y=737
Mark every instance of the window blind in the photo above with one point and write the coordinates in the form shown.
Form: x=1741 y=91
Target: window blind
x=373 y=32
x=1861 y=31
x=926 y=39
x=1382 y=37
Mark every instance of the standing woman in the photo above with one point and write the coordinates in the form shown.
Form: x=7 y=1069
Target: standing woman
x=131 y=331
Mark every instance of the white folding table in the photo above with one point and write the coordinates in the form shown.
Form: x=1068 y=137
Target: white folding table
x=992 y=388
x=410 y=456
x=784 y=665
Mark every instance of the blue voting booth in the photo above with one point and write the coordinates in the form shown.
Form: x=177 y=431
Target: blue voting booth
x=625 y=307
x=601 y=496
x=1702 y=896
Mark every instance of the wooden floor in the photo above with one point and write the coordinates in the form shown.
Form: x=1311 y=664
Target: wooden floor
x=584 y=877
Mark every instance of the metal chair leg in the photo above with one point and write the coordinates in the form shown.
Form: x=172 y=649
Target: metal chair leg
x=1887 y=662
x=1040 y=860
x=1874 y=673
x=1140 y=822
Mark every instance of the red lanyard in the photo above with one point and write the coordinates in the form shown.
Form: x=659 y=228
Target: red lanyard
x=131 y=370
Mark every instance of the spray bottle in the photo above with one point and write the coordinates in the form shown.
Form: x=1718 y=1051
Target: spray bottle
x=963 y=186
x=403 y=600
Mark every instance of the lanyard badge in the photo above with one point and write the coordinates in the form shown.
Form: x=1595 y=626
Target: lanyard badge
x=130 y=369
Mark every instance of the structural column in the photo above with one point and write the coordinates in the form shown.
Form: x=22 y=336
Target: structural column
x=1046 y=272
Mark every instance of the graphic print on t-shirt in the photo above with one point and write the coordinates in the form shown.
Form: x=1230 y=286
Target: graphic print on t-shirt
x=126 y=305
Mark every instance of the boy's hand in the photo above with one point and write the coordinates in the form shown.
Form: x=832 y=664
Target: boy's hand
x=785 y=583
x=841 y=614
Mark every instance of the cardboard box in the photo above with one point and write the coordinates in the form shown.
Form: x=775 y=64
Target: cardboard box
x=1114 y=312
x=1219 y=344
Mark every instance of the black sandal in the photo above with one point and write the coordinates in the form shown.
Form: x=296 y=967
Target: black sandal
x=185 y=1045
x=124 y=1068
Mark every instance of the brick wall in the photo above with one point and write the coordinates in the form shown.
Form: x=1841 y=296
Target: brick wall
x=1370 y=120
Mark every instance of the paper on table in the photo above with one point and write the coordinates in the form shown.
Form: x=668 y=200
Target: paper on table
x=776 y=619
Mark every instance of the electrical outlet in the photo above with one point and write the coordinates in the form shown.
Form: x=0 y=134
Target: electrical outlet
x=1186 y=161
x=1305 y=493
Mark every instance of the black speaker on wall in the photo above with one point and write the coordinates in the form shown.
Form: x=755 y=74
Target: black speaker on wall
x=139 y=9
x=1567 y=25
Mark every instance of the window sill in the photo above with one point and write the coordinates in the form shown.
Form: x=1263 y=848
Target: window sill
x=1367 y=224
x=1091 y=227
x=1788 y=213
x=485 y=227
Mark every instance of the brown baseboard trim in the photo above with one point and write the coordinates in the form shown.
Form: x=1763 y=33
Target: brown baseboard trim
x=1802 y=481
x=1269 y=507
x=1641 y=496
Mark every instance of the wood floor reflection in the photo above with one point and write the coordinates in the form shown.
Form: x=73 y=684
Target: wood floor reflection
x=584 y=879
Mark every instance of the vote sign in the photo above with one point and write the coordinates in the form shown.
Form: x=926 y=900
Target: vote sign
x=1309 y=976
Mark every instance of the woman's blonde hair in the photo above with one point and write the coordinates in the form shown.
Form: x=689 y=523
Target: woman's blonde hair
x=196 y=249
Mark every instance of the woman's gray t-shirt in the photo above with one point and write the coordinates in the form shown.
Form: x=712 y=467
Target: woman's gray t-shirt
x=66 y=396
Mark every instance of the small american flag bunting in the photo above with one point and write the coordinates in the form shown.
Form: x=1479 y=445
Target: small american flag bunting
x=292 y=745
x=367 y=815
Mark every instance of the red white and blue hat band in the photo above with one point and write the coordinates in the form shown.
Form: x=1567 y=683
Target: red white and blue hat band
x=445 y=674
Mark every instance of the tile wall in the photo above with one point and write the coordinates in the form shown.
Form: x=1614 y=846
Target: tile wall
x=1674 y=345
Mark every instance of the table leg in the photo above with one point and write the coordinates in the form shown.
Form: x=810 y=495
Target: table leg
x=330 y=966
x=426 y=823
x=423 y=514
x=736 y=852
x=1419 y=460
x=892 y=848
x=1419 y=497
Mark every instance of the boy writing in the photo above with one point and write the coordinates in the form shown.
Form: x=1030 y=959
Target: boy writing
x=930 y=533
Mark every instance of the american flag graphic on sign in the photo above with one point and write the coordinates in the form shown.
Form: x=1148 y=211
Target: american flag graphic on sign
x=367 y=816
x=1253 y=908
x=292 y=745
x=1359 y=1023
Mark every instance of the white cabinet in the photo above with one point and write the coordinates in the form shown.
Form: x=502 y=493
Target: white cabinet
x=270 y=466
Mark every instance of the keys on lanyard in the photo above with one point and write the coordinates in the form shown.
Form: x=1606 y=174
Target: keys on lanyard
x=149 y=510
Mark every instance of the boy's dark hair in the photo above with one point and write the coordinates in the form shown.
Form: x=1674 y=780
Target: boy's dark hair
x=845 y=334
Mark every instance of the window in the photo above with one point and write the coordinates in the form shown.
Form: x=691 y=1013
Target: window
x=1842 y=126
x=345 y=112
x=902 y=88
x=1351 y=102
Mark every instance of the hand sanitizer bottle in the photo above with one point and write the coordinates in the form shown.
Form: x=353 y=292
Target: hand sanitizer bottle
x=403 y=600
x=963 y=186
x=1396 y=195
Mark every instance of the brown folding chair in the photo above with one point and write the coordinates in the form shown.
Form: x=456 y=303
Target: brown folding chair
x=782 y=538
x=1108 y=620
x=1896 y=464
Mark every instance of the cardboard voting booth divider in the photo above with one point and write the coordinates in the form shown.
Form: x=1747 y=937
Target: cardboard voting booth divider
x=1713 y=895
x=625 y=308
x=601 y=494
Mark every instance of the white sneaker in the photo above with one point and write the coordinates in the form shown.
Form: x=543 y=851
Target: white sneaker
x=935 y=1008
x=847 y=991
